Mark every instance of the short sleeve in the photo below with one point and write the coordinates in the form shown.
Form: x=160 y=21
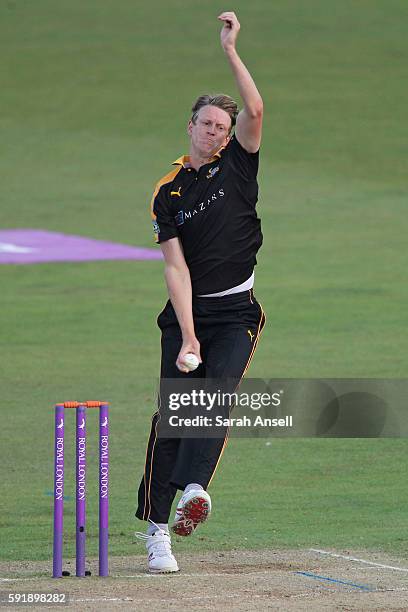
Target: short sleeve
x=245 y=164
x=164 y=224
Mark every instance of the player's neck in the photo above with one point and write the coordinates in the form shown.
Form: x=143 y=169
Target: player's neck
x=196 y=160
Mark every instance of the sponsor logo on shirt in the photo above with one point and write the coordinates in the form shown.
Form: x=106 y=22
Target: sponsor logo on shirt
x=212 y=172
x=184 y=216
x=176 y=193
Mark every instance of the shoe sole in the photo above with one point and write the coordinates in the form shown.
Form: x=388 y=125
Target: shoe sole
x=169 y=571
x=195 y=511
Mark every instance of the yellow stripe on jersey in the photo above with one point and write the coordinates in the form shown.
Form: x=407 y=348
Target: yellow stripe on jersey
x=166 y=179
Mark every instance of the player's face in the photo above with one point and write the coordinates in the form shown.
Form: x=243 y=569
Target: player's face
x=210 y=132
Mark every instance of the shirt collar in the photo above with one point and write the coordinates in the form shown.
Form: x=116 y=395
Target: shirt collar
x=184 y=160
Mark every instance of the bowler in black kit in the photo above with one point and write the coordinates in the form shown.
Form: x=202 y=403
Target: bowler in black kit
x=205 y=220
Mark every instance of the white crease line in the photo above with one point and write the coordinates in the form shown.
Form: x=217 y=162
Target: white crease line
x=16 y=579
x=184 y=575
x=147 y=575
x=163 y=600
x=325 y=552
x=94 y=599
x=28 y=579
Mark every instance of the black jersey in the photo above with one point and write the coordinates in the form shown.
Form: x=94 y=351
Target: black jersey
x=212 y=211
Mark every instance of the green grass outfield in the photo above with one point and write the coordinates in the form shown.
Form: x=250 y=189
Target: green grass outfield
x=93 y=107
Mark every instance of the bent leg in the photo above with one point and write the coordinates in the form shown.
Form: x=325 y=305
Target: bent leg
x=229 y=355
x=156 y=491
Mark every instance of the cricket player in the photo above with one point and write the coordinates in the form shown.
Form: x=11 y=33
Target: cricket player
x=205 y=220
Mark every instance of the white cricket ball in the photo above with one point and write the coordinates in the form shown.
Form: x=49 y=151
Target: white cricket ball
x=191 y=361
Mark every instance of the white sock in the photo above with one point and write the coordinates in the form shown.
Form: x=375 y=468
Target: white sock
x=152 y=527
x=193 y=486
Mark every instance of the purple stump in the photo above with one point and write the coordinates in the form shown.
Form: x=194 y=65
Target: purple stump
x=58 y=491
x=80 y=489
x=103 y=488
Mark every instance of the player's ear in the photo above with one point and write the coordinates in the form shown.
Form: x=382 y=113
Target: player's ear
x=189 y=127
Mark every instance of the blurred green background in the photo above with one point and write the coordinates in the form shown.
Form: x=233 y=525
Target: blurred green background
x=94 y=102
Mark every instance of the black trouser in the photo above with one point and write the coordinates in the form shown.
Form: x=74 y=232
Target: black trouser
x=228 y=330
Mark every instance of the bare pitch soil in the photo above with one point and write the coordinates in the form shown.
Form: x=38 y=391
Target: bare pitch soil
x=233 y=580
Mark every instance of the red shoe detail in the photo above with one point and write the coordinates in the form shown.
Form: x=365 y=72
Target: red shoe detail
x=196 y=509
x=195 y=512
x=184 y=527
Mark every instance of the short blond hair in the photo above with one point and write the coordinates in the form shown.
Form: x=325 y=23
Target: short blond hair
x=226 y=103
